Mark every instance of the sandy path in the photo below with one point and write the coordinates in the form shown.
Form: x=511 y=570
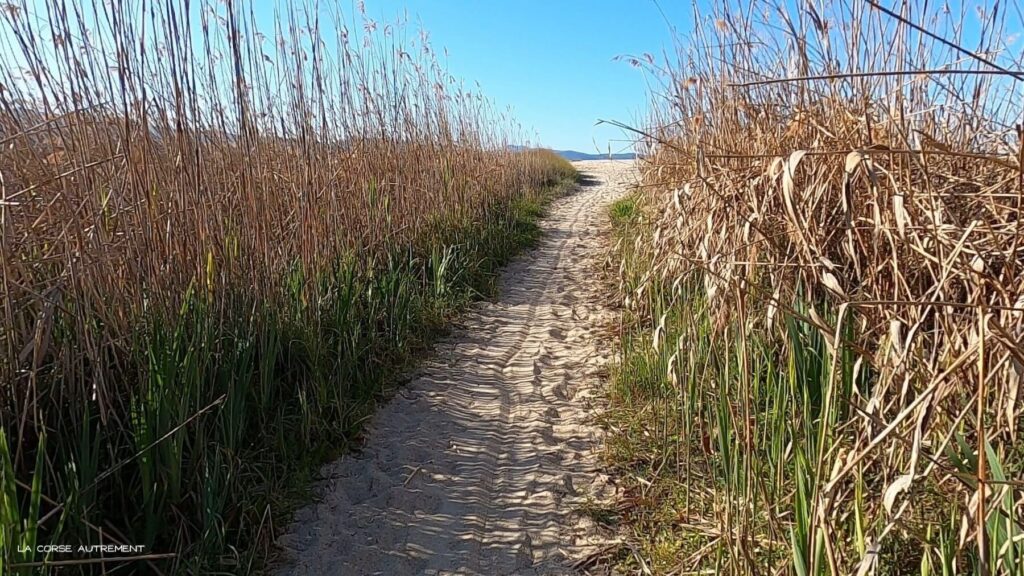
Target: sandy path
x=478 y=465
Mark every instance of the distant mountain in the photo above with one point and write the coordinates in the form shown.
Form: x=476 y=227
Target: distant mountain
x=574 y=155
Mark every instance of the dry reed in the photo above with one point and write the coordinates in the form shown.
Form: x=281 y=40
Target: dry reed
x=186 y=191
x=833 y=194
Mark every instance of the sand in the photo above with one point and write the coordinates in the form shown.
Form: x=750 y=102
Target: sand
x=479 y=465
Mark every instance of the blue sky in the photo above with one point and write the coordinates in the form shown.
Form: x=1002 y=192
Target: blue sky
x=551 y=60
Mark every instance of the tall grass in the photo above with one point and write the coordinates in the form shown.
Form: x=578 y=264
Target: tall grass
x=221 y=237
x=823 y=354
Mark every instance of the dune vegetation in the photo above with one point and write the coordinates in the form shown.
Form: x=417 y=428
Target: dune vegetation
x=822 y=274
x=222 y=239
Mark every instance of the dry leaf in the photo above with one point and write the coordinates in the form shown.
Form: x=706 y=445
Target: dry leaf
x=832 y=283
x=900 y=211
x=902 y=484
x=869 y=562
x=978 y=264
x=853 y=160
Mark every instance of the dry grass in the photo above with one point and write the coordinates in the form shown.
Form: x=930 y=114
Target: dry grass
x=831 y=279
x=216 y=236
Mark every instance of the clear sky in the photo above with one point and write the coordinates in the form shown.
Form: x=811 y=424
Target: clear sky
x=551 y=60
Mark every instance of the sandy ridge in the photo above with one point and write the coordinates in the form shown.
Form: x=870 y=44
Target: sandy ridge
x=478 y=465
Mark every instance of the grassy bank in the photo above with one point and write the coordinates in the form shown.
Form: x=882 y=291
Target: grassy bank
x=725 y=435
x=821 y=281
x=217 y=252
x=237 y=410
x=715 y=427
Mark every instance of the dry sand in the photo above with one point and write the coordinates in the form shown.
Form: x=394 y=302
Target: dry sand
x=479 y=465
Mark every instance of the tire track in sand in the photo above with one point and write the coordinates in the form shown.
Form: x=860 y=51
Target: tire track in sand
x=478 y=465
